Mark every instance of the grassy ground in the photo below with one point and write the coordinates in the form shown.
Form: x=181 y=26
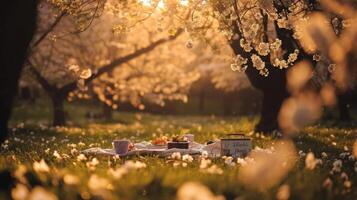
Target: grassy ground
x=69 y=177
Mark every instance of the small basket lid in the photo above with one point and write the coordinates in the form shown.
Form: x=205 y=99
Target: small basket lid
x=239 y=136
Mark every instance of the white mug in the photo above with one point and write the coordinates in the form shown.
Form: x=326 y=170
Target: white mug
x=121 y=146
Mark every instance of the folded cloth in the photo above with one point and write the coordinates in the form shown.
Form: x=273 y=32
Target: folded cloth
x=146 y=148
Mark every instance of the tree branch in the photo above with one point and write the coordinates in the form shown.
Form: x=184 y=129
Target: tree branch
x=49 y=88
x=44 y=35
x=116 y=62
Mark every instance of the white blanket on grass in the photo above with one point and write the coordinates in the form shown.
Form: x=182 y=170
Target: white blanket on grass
x=146 y=148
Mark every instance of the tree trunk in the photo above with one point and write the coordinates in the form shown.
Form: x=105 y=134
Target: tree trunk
x=201 y=102
x=18 y=23
x=107 y=112
x=272 y=101
x=59 y=116
x=274 y=92
x=343 y=107
x=227 y=104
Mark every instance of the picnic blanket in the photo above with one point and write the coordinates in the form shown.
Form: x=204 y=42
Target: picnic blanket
x=146 y=148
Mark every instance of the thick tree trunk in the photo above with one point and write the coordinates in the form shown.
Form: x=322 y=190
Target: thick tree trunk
x=274 y=92
x=272 y=101
x=59 y=115
x=227 y=104
x=107 y=113
x=343 y=107
x=18 y=23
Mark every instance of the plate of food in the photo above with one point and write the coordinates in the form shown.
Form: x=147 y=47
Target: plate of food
x=160 y=141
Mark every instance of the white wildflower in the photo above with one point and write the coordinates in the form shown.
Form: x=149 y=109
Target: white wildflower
x=41 y=166
x=205 y=163
x=187 y=158
x=310 y=161
x=195 y=191
x=70 y=179
x=176 y=155
x=81 y=157
x=39 y=193
x=20 y=192
x=337 y=165
x=283 y=192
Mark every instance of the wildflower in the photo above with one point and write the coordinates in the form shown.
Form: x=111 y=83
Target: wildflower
x=41 y=166
x=213 y=169
x=81 y=144
x=176 y=155
x=310 y=161
x=70 y=179
x=205 y=163
x=229 y=161
x=98 y=183
x=134 y=165
x=39 y=193
x=126 y=168
x=92 y=164
x=197 y=191
x=74 y=151
x=283 y=192
x=337 y=165
x=72 y=145
x=299 y=111
x=176 y=164
x=347 y=184
x=117 y=173
x=57 y=155
x=259 y=174
x=20 y=172
x=20 y=192
x=187 y=158
x=204 y=154
x=327 y=183
x=354 y=151
x=81 y=157
x=344 y=176
x=47 y=151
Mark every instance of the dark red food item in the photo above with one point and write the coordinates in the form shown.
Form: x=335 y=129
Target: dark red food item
x=131 y=146
x=177 y=145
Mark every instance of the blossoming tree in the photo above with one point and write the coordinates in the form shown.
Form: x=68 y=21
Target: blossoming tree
x=267 y=37
x=68 y=60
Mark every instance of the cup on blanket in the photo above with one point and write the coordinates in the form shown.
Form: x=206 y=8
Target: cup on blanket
x=121 y=146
